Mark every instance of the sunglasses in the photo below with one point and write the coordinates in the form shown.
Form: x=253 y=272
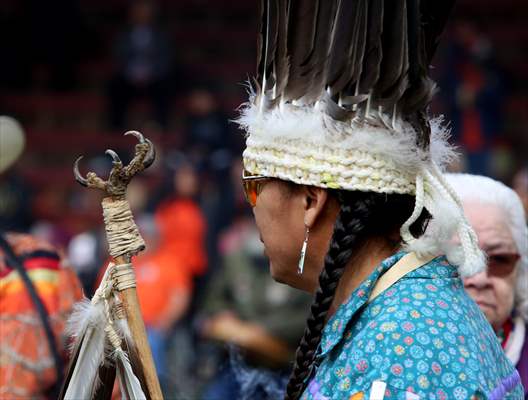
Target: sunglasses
x=501 y=265
x=253 y=185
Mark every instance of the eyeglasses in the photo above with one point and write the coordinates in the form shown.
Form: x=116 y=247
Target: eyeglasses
x=253 y=185
x=501 y=265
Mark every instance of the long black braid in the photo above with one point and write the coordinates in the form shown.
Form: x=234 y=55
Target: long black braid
x=362 y=215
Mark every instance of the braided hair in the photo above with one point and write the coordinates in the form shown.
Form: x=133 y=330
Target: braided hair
x=362 y=215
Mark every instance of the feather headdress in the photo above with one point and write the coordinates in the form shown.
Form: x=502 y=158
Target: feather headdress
x=340 y=101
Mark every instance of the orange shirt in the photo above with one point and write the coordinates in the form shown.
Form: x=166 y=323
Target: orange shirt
x=27 y=369
x=158 y=278
x=182 y=231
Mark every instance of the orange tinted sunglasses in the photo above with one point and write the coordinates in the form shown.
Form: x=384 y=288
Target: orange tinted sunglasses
x=253 y=185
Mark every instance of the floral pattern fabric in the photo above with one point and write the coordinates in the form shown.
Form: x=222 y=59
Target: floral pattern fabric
x=423 y=338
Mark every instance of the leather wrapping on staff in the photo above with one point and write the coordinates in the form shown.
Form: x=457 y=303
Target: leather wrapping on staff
x=122 y=233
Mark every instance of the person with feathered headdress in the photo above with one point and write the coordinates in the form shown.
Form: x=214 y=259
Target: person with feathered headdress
x=343 y=168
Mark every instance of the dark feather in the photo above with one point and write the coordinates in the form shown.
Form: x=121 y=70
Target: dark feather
x=281 y=71
x=333 y=109
x=107 y=375
x=426 y=22
x=345 y=38
x=434 y=18
x=354 y=48
x=394 y=63
x=316 y=66
x=270 y=35
x=267 y=42
x=373 y=51
x=420 y=91
x=358 y=53
x=302 y=24
x=261 y=43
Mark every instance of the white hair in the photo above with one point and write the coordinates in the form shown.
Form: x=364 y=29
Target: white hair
x=484 y=190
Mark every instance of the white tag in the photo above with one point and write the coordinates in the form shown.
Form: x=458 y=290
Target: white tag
x=411 y=396
x=377 y=390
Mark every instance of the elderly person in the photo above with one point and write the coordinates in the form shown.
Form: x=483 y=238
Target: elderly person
x=496 y=213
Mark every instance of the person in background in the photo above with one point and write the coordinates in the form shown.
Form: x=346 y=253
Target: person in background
x=164 y=288
x=143 y=66
x=496 y=213
x=37 y=292
x=206 y=126
x=246 y=308
x=180 y=220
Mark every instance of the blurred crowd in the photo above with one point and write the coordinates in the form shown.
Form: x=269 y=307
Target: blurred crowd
x=218 y=326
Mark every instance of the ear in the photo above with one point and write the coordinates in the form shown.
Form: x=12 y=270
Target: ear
x=315 y=199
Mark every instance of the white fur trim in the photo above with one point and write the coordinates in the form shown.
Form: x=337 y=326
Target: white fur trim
x=515 y=342
x=308 y=126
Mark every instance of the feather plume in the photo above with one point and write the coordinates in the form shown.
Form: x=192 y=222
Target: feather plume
x=128 y=382
x=82 y=382
x=395 y=61
x=315 y=67
x=302 y=23
x=281 y=60
x=350 y=57
x=373 y=50
x=129 y=347
x=86 y=326
x=345 y=36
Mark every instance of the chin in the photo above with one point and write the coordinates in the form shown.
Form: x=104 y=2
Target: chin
x=276 y=274
x=287 y=278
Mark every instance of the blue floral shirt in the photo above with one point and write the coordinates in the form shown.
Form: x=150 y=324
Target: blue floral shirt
x=423 y=338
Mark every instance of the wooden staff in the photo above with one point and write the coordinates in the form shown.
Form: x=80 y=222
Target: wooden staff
x=139 y=335
x=123 y=250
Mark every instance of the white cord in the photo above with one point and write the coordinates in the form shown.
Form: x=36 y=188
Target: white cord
x=418 y=207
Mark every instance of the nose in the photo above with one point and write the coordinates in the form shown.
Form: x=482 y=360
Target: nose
x=477 y=281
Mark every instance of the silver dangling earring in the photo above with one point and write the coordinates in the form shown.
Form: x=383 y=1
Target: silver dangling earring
x=300 y=267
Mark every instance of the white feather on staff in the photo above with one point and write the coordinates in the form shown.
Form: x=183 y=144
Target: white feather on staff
x=87 y=326
x=128 y=382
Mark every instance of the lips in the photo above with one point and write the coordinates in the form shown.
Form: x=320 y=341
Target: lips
x=486 y=304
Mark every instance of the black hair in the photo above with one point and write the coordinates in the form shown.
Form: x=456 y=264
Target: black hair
x=362 y=216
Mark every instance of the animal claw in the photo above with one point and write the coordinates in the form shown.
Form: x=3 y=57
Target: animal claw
x=151 y=154
x=78 y=177
x=120 y=176
x=114 y=156
x=137 y=134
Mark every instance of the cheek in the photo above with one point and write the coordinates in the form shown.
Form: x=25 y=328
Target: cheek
x=504 y=291
x=281 y=241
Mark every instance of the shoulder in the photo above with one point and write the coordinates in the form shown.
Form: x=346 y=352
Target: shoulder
x=421 y=336
x=33 y=252
x=23 y=244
